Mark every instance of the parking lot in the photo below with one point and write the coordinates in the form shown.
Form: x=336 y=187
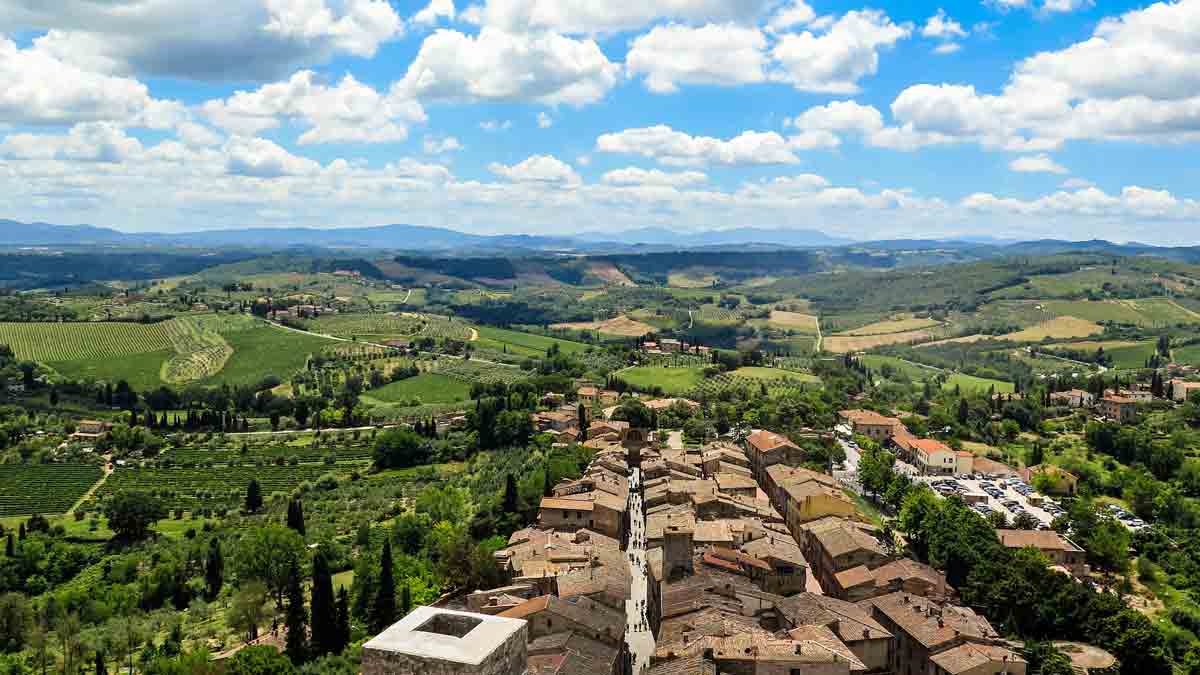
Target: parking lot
x=1008 y=496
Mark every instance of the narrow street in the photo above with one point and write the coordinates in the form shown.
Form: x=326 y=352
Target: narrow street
x=637 y=629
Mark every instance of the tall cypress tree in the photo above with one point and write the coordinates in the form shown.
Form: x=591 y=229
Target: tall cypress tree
x=326 y=636
x=254 y=500
x=295 y=516
x=383 y=610
x=547 y=488
x=405 y=600
x=101 y=666
x=10 y=547
x=510 y=494
x=343 y=619
x=296 y=620
x=214 y=570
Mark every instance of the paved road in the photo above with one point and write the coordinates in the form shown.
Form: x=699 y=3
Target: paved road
x=675 y=440
x=637 y=629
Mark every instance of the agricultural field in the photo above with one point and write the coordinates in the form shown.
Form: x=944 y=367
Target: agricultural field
x=842 y=344
x=199 y=352
x=1125 y=355
x=475 y=371
x=717 y=314
x=966 y=339
x=1189 y=355
x=26 y=489
x=192 y=488
x=263 y=350
x=524 y=344
x=621 y=326
x=789 y=383
x=672 y=381
x=1098 y=311
x=890 y=327
x=771 y=374
x=905 y=369
x=692 y=279
x=801 y=323
x=353 y=325
x=427 y=388
x=1062 y=328
x=52 y=342
x=304 y=452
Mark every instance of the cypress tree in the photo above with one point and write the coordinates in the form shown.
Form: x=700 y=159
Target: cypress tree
x=343 y=619
x=510 y=494
x=101 y=667
x=326 y=635
x=10 y=547
x=254 y=499
x=405 y=600
x=383 y=610
x=296 y=620
x=547 y=488
x=296 y=516
x=214 y=570
x=21 y=532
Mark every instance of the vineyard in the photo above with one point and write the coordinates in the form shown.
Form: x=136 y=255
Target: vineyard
x=408 y=325
x=790 y=383
x=43 y=488
x=192 y=488
x=485 y=373
x=199 y=352
x=193 y=457
x=49 y=342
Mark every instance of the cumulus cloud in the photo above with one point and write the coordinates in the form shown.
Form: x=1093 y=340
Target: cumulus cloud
x=1037 y=164
x=942 y=27
x=606 y=16
x=440 y=146
x=495 y=125
x=722 y=54
x=434 y=12
x=87 y=142
x=636 y=176
x=834 y=60
x=675 y=148
x=544 y=121
x=538 y=169
x=260 y=158
x=796 y=13
x=1064 y=6
x=239 y=39
x=348 y=112
x=500 y=66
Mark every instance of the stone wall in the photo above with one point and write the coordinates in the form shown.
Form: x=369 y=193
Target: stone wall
x=508 y=659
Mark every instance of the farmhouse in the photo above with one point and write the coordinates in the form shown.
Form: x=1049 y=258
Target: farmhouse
x=1074 y=398
x=1062 y=552
x=1119 y=408
x=1182 y=391
x=871 y=424
x=91 y=430
x=1058 y=480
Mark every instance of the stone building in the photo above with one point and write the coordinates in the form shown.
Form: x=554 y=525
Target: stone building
x=432 y=641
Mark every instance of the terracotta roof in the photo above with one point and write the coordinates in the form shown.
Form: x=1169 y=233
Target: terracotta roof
x=567 y=504
x=1119 y=400
x=768 y=440
x=967 y=657
x=527 y=608
x=740 y=558
x=850 y=621
x=838 y=536
x=1043 y=540
x=930 y=623
x=732 y=481
x=869 y=417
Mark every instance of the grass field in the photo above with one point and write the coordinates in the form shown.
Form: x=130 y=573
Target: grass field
x=1100 y=311
x=262 y=350
x=803 y=323
x=524 y=344
x=900 y=367
x=141 y=371
x=979 y=384
x=691 y=280
x=1189 y=354
x=1062 y=328
x=426 y=387
x=671 y=380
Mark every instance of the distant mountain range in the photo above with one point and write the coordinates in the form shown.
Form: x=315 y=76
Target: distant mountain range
x=421 y=239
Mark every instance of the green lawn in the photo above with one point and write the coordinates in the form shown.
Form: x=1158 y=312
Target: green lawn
x=426 y=387
x=671 y=380
x=981 y=384
x=524 y=344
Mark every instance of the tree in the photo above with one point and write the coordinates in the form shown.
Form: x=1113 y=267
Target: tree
x=260 y=660
x=295 y=516
x=1025 y=521
x=254 y=499
x=343 y=619
x=248 y=609
x=399 y=449
x=16 y=617
x=267 y=554
x=130 y=514
x=297 y=618
x=10 y=546
x=405 y=600
x=635 y=412
x=510 y=494
x=214 y=570
x=101 y=667
x=326 y=635
x=383 y=609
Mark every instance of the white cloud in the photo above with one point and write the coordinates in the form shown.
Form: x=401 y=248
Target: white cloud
x=592 y=17
x=349 y=112
x=1037 y=164
x=1064 y=6
x=676 y=148
x=438 y=146
x=835 y=60
x=797 y=13
x=721 y=54
x=434 y=11
x=1074 y=183
x=87 y=142
x=195 y=39
x=495 y=125
x=501 y=66
x=829 y=122
x=538 y=169
x=637 y=176
x=947 y=48
x=544 y=121
x=260 y=158
x=584 y=160
x=942 y=27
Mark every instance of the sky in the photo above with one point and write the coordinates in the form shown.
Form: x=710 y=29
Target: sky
x=1014 y=119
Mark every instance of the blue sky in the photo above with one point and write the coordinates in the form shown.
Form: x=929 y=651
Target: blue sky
x=1008 y=118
